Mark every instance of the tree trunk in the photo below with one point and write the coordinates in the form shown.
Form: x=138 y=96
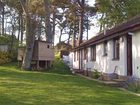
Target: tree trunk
x=12 y=38
x=39 y=29
x=30 y=28
x=47 y=21
x=69 y=36
x=53 y=31
x=3 y=12
x=30 y=38
x=60 y=35
x=21 y=28
x=101 y=24
x=87 y=27
x=74 y=37
x=69 y=39
x=80 y=38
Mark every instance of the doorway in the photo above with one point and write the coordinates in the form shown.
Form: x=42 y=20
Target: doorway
x=129 y=55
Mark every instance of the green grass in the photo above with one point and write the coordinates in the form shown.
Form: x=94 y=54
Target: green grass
x=56 y=87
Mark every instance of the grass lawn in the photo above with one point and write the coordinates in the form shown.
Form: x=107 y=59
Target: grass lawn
x=56 y=87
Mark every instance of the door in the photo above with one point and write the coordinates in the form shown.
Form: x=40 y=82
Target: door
x=129 y=55
x=81 y=60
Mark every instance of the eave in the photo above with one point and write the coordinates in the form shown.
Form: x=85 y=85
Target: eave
x=120 y=30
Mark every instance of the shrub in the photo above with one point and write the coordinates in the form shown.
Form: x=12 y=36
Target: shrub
x=133 y=85
x=57 y=56
x=4 y=57
x=13 y=55
x=96 y=74
x=134 y=88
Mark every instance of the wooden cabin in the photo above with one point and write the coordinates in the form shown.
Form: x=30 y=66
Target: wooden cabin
x=43 y=55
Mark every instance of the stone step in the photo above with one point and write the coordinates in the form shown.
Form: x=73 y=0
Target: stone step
x=119 y=80
x=114 y=83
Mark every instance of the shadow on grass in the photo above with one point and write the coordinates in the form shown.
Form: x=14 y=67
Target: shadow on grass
x=58 y=68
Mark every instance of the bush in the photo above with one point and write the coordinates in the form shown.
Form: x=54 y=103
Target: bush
x=134 y=88
x=96 y=74
x=13 y=55
x=4 y=57
x=133 y=85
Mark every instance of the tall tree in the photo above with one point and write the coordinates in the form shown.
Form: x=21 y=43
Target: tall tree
x=82 y=9
x=30 y=27
x=3 y=12
x=116 y=11
x=47 y=21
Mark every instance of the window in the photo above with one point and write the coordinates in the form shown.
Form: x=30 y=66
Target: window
x=85 y=53
x=77 y=55
x=93 y=53
x=48 y=46
x=116 y=49
x=74 y=56
x=105 y=48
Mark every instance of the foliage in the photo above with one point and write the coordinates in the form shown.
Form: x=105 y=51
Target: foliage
x=10 y=55
x=5 y=39
x=13 y=55
x=40 y=88
x=57 y=55
x=116 y=11
x=59 y=67
x=96 y=74
x=4 y=57
x=134 y=88
x=133 y=84
x=63 y=46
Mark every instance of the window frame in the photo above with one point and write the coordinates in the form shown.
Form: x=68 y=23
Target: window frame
x=93 y=53
x=48 y=46
x=105 y=48
x=85 y=53
x=116 y=48
x=74 y=56
x=77 y=55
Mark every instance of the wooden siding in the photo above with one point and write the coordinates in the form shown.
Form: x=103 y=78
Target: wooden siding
x=45 y=53
x=42 y=51
x=21 y=52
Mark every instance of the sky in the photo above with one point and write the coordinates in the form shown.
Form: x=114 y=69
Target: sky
x=91 y=32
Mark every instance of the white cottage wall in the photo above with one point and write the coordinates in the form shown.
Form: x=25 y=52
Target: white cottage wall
x=106 y=64
x=71 y=59
x=75 y=61
x=136 y=54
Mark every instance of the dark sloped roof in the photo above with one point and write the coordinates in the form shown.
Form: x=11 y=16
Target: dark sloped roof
x=119 y=30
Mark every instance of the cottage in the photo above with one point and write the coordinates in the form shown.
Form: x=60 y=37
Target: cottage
x=43 y=55
x=115 y=51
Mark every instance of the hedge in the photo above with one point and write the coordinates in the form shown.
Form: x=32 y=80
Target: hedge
x=4 y=57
